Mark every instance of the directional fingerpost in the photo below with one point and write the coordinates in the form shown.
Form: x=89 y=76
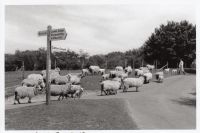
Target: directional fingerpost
x=52 y=35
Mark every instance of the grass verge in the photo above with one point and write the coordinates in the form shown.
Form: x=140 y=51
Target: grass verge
x=83 y=114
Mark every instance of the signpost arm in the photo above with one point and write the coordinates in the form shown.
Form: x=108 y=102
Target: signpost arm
x=48 y=65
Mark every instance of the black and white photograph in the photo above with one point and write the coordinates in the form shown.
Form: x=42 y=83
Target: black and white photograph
x=109 y=66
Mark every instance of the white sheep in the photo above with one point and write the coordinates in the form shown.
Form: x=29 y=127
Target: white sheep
x=85 y=72
x=117 y=79
x=62 y=79
x=132 y=82
x=102 y=71
x=148 y=77
x=33 y=82
x=23 y=91
x=112 y=73
x=105 y=76
x=159 y=76
x=128 y=70
x=94 y=69
x=60 y=90
x=53 y=74
x=138 y=72
x=35 y=76
x=121 y=74
x=144 y=69
x=150 y=67
x=174 y=71
x=76 y=91
x=166 y=70
x=109 y=86
x=119 y=68
x=75 y=79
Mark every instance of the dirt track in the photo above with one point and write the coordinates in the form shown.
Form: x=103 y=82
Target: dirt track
x=164 y=105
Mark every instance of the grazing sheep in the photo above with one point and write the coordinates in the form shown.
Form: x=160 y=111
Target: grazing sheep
x=85 y=72
x=32 y=83
x=159 y=76
x=148 y=77
x=119 y=68
x=166 y=70
x=102 y=71
x=23 y=91
x=60 y=90
x=132 y=82
x=62 y=79
x=174 y=71
x=110 y=87
x=150 y=67
x=128 y=70
x=94 y=69
x=105 y=77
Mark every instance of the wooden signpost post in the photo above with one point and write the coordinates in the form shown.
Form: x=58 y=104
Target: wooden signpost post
x=52 y=35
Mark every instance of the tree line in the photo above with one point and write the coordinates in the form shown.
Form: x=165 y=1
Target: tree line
x=168 y=43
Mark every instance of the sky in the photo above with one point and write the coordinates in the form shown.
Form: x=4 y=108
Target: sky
x=96 y=29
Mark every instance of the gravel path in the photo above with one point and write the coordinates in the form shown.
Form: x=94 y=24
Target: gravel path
x=167 y=105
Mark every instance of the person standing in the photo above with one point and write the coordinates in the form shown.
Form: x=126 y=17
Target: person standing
x=181 y=69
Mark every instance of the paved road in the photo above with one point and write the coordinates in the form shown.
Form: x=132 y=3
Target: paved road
x=164 y=105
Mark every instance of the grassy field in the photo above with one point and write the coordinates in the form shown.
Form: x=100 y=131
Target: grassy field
x=71 y=115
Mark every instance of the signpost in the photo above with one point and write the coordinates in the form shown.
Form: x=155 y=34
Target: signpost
x=52 y=35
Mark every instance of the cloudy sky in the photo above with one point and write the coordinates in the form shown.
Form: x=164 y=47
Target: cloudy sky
x=96 y=29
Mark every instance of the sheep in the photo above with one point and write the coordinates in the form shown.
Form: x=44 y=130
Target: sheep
x=105 y=77
x=62 y=79
x=112 y=73
x=138 y=72
x=35 y=76
x=94 y=69
x=128 y=70
x=159 y=76
x=75 y=79
x=174 y=71
x=23 y=91
x=60 y=90
x=85 y=72
x=119 y=68
x=166 y=70
x=75 y=91
x=53 y=74
x=132 y=82
x=150 y=67
x=102 y=71
x=109 y=86
x=121 y=74
x=144 y=69
x=117 y=79
x=148 y=77
x=32 y=82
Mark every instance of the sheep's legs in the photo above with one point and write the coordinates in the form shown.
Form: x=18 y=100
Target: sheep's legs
x=29 y=100
x=136 y=89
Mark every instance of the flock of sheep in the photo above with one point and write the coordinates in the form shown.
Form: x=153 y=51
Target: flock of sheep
x=69 y=85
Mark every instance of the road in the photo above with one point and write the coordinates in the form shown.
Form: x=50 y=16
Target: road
x=167 y=105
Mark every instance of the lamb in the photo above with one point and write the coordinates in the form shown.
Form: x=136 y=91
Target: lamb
x=62 y=79
x=132 y=82
x=94 y=69
x=75 y=91
x=166 y=70
x=32 y=82
x=148 y=77
x=159 y=76
x=150 y=67
x=60 y=90
x=102 y=71
x=128 y=70
x=23 y=91
x=119 y=68
x=174 y=71
x=109 y=87
x=85 y=72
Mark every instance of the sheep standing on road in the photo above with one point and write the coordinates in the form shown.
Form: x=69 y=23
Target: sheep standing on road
x=159 y=76
x=174 y=71
x=75 y=91
x=132 y=82
x=102 y=71
x=94 y=69
x=62 y=79
x=75 y=79
x=166 y=70
x=148 y=77
x=85 y=72
x=110 y=87
x=105 y=77
x=32 y=82
x=60 y=90
x=138 y=72
x=24 y=91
